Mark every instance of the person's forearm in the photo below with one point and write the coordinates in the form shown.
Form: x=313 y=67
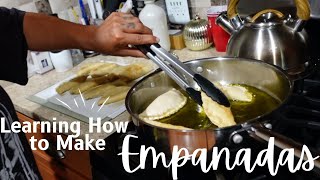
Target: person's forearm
x=45 y=33
x=113 y=36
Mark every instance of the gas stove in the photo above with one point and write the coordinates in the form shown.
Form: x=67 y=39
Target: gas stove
x=299 y=120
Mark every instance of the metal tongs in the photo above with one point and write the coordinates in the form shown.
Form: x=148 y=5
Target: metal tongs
x=183 y=75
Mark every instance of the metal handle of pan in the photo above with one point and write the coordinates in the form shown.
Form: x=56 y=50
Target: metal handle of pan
x=281 y=141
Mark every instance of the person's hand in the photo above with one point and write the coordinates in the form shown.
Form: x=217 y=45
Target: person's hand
x=118 y=32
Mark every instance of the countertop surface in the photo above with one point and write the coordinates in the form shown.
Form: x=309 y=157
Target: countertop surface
x=37 y=83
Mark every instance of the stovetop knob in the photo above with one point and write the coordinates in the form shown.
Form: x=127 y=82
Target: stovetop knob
x=268 y=125
x=237 y=139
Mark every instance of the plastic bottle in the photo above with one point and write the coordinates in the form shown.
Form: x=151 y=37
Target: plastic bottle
x=154 y=17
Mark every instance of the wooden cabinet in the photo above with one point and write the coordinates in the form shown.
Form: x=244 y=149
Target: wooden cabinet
x=59 y=165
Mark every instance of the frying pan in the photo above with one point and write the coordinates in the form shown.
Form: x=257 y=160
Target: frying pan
x=263 y=76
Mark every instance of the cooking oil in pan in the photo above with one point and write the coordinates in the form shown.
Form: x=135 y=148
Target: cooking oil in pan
x=192 y=115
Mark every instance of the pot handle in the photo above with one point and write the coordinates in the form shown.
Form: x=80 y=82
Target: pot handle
x=303 y=9
x=258 y=131
x=276 y=12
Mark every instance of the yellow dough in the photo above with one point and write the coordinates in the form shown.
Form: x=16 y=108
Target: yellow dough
x=119 y=82
x=66 y=86
x=135 y=71
x=105 y=79
x=118 y=97
x=90 y=83
x=164 y=105
x=103 y=70
x=235 y=92
x=97 y=91
x=87 y=68
x=132 y=71
x=112 y=92
x=219 y=115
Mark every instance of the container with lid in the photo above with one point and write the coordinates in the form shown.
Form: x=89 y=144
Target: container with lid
x=220 y=36
x=197 y=34
x=154 y=17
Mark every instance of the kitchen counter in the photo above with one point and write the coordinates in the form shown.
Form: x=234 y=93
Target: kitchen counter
x=37 y=83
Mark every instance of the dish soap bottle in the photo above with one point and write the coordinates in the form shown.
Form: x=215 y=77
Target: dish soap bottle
x=154 y=17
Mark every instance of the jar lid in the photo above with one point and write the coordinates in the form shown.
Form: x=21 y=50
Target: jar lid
x=196 y=22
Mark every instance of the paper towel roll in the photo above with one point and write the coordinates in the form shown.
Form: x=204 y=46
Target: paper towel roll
x=62 y=61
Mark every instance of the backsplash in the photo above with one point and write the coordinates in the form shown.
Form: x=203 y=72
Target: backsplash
x=19 y=4
x=40 y=5
x=14 y=3
x=196 y=6
x=201 y=7
x=28 y=5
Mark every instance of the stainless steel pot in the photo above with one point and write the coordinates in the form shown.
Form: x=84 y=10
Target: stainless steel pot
x=230 y=70
x=269 y=36
x=255 y=73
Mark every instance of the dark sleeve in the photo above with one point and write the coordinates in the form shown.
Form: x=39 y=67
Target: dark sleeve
x=13 y=47
x=16 y=158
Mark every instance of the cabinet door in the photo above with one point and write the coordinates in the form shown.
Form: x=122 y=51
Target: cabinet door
x=59 y=165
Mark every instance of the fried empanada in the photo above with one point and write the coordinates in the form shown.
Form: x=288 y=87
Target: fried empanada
x=145 y=67
x=117 y=70
x=66 y=86
x=119 y=82
x=100 y=90
x=235 y=92
x=82 y=87
x=164 y=105
x=219 y=115
x=97 y=91
x=105 y=79
x=103 y=70
x=131 y=72
x=87 y=68
x=109 y=93
x=118 y=97
x=92 y=82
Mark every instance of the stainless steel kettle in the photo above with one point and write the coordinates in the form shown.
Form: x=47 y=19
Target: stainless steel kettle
x=269 y=36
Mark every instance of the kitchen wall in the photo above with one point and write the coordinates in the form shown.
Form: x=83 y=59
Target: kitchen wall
x=26 y=5
x=201 y=6
x=61 y=5
x=40 y=5
x=196 y=6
